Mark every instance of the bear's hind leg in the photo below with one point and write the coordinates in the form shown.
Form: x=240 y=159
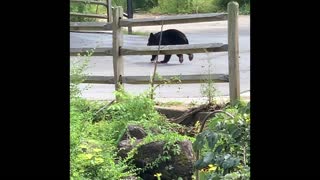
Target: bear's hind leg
x=154 y=57
x=180 y=57
x=190 y=57
x=166 y=58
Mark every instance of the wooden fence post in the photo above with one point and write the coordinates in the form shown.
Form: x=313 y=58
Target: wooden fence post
x=109 y=10
x=117 y=42
x=233 y=54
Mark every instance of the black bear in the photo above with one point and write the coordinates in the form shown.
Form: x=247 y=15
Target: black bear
x=169 y=37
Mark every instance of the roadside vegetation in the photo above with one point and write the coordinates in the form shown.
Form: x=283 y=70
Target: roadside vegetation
x=160 y=7
x=221 y=143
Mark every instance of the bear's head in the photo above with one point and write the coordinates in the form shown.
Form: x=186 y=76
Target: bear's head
x=152 y=40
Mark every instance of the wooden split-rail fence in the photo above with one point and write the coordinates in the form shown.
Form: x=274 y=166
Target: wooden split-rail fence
x=118 y=49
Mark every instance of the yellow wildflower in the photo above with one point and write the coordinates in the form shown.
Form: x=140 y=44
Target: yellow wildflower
x=85 y=156
x=97 y=150
x=88 y=156
x=99 y=160
x=83 y=146
x=212 y=167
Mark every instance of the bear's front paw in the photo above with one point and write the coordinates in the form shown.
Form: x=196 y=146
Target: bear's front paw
x=163 y=62
x=154 y=61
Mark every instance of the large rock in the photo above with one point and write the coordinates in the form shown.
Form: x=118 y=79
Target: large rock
x=125 y=146
x=178 y=166
x=130 y=139
x=134 y=132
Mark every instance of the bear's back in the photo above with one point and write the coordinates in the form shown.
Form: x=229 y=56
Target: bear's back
x=172 y=37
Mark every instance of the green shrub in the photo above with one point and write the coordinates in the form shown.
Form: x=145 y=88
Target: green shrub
x=243 y=5
x=95 y=131
x=88 y=9
x=245 y=9
x=77 y=74
x=96 y=128
x=204 y=6
x=93 y=152
x=95 y=156
x=225 y=145
x=122 y=3
x=197 y=6
x=137 y=110
x=184 y=6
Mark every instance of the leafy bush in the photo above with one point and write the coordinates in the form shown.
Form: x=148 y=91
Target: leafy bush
x=137 y=110
x=145 y=4
x=160 y=7
x=244 y=5
x=77 y=74
x=245 y=9
x=204 y=6
x=96 y=128
x=122 y=3
x=86 y=8
x=95 y=156
x=225 y=145
x=197 y=6
x=92 y=145
x=184 y=6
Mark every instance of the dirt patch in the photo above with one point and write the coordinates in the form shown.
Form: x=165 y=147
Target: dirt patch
x=181 y=107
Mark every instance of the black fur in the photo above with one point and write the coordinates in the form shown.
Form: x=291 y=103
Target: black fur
x=169 y=37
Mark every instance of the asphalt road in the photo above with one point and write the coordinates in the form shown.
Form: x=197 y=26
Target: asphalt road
x=207 y=32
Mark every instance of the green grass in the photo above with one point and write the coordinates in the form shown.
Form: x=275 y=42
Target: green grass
x=170 y=103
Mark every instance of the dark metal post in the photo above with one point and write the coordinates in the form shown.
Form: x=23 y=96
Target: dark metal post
x=130 y=14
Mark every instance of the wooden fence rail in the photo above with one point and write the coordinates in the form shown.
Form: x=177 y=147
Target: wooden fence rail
x=92 y=26
x=185 y=79
x=153 y=50
x=99 y=16
x=194 y=18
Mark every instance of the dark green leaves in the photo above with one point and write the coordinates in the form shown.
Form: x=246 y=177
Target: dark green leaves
x=199 y=143
x=225 y=144
x=206 y=136
x=212 y=139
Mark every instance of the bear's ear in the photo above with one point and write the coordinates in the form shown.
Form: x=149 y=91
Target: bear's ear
x=151 y=34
